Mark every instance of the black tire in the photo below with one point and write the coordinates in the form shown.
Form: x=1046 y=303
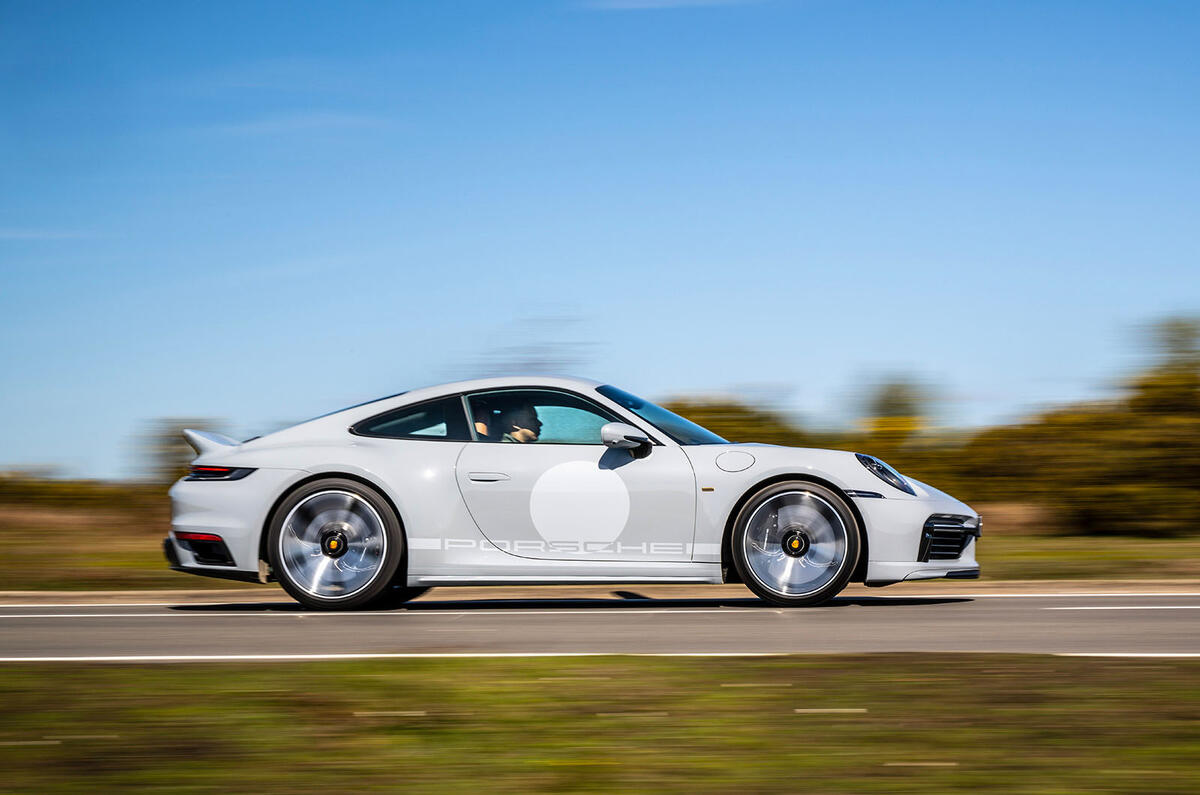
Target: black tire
x=386 y=545
x=835 y=536
x=397 y=595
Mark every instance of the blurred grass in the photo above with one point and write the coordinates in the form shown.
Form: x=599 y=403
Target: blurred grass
x=90 y=548
x=1009 y=723
x=1040 y=557
x=114 y=548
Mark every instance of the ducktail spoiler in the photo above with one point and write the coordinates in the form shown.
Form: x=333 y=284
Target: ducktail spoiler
x=207 y=441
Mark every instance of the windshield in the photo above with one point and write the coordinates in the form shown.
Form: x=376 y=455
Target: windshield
x=681 y=430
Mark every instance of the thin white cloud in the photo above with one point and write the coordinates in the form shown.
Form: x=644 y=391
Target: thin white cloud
x=284 y=124
x=649 y=5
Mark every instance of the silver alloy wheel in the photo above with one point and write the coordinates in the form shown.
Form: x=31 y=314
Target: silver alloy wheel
x=332 y=544
x=795 y=543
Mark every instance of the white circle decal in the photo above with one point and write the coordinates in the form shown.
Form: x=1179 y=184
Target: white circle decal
x=579 y=501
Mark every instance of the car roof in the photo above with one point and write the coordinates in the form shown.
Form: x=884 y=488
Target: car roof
x=371 y=407
x=502 y=382
x=351 y=414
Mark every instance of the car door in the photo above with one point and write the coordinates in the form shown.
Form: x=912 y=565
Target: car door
x=539 y=482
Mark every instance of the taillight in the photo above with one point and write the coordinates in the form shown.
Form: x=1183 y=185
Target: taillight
x=218 y=473
x=182 y=536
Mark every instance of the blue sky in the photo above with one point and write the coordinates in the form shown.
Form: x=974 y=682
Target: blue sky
x=262 y=211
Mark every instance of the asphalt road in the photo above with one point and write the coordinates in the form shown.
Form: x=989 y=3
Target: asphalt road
x=623 y=623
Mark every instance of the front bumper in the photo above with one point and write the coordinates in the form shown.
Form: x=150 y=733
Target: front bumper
x=899 y=542
x=881 y=573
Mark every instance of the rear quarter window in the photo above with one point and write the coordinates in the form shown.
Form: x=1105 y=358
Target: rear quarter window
x=442 y=419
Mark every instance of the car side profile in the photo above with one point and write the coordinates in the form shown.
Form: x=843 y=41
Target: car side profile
x=548 y=480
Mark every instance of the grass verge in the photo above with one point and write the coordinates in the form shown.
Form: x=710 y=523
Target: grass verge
x=113 y=549
x=1000 y=723
x=1041 y=557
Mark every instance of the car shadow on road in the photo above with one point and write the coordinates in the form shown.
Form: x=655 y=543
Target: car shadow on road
x=632 y=603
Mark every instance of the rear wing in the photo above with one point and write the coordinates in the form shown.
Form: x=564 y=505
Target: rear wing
x=207 y=441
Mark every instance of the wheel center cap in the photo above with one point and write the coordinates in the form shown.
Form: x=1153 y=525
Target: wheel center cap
x=333 y=543
x=795 y=543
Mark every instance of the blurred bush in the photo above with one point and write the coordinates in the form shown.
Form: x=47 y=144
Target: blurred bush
x=24 y=489
x=165 y=456
x=739 y=422
x=1128 y=466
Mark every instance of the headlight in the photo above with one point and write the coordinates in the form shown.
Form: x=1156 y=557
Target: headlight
x=885 y=473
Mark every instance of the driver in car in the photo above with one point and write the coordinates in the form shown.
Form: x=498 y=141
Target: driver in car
x=520 y=423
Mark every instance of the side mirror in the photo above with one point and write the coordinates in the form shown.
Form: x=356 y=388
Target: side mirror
x=620 y=436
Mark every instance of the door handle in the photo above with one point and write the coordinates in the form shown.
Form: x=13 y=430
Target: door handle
x=487 y=477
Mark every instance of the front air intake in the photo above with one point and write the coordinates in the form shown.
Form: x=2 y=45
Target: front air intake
x=945 y=536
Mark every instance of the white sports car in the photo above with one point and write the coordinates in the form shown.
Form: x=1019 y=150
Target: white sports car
x=548 y=481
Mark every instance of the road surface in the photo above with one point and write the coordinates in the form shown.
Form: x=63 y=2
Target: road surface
x=619 y=621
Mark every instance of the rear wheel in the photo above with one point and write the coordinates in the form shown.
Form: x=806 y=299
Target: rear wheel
x=335 y=544
x=795 y=543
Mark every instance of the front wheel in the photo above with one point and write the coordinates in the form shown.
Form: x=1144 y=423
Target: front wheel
x=335 y=544
x=795 y=543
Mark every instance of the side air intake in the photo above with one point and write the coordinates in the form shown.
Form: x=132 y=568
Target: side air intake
x=945 y=536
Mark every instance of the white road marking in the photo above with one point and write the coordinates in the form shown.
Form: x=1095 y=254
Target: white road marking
x=633 y=611
x=31 y=742
x=187 y=658
x=1153 y=654
x=1127 y=607
x=83 y=736
x=109 y=604
x=636 y=611
x=831 y=711
x=109 y=615
x=873 y=597
x=1098 y=594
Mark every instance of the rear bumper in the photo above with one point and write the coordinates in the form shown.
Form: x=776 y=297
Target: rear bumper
x=172 y=555
x=234 y=510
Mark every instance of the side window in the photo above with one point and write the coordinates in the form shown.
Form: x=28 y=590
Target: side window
x=536 y=416
x=437 y=419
